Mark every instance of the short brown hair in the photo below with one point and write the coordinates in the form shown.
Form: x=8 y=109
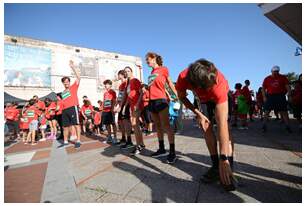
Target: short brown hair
x=127 y=67
x=123 y=73
x=108 y=81
x=159 y=59
x=64 y=79
x=202 y=73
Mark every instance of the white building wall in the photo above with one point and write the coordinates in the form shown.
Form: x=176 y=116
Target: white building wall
x=88 y=85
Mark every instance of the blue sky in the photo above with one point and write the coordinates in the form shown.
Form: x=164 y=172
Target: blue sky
x=238 y=38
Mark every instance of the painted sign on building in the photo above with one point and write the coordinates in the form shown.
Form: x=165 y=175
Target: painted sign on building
x=26 y=66
x=87 y=66
x=109 y=68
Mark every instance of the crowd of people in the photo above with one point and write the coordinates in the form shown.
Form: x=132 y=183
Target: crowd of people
x=138 y=108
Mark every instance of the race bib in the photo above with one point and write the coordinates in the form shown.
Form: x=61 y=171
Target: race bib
x=151 y=79
x=66 y=94
x=24 y=119
x=107 y=103
x=120 y=96
x=30 y=113
x=87 y=111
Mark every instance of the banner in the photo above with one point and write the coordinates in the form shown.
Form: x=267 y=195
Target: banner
x=87 y=66
x=109 y=68
x=26 y=66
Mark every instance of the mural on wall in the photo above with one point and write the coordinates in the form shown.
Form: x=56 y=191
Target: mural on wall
x=109 y=68
x=87 y=66
x=26 y=66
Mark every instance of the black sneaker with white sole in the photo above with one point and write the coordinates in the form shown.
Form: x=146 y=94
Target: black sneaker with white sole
x=135 y=151
x=212 y=175
x=77 y=145
x=159 y=153
x=127 y=145
x=171 y=158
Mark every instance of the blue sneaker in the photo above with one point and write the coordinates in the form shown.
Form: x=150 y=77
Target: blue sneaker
x=77 y=145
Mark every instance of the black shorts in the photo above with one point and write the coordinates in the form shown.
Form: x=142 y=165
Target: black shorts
x=70 y=116
x=208 y=109
x=89 y=118
x=276 y=102
x=297 y=111
x=52 y=118
x=126 y=114
x=146 y=115
x=108 y=118
x=12 y=125
x=157 y=105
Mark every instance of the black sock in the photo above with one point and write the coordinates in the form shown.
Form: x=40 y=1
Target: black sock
x=161 y=144
x=123 y=138
x=129 y=139
x=231 y=161
x=172 y=148
x=215 y=161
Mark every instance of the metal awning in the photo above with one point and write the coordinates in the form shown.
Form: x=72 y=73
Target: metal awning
x=287 y=16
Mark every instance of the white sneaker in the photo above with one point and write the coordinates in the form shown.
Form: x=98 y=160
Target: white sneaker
x=73 y=137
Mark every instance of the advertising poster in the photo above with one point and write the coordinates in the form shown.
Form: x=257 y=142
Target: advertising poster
x=26 y=66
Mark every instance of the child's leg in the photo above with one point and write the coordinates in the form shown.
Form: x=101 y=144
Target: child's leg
x=109 y=130
x=54 y=123
x=24 y=135
x=33 y=136
x=43 y=133
x=51 y=128
x=115 y=130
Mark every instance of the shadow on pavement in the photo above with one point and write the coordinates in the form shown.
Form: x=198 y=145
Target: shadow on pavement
x=275 y=138
x=261 y=189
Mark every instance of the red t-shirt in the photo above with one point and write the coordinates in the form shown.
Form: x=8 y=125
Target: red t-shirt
x=50 y=110
x=40 y=106
x=59 y=107
x=259 y=98
x=121 y=91
x=246 y=93
x=109 y=98
x=146 y=98
x=32 y=113
x=275 y=85
x=43 y=120
x=236 y=94
x=97 y=118
x=70 y=96
x=133 y=91
x=24 y=121
x=297 y=93
x=156 y=83
x=11 y=113
x=87 y=110
x=217 y=93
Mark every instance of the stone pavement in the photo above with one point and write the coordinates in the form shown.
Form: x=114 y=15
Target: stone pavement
x=268 y=167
